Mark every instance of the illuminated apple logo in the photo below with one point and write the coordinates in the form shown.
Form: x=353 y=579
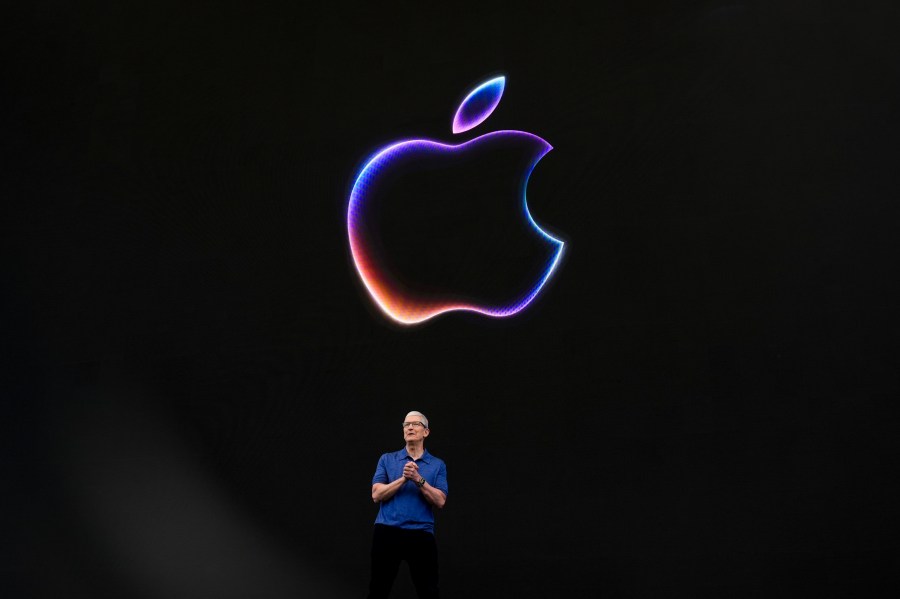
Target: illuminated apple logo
x=408 y=169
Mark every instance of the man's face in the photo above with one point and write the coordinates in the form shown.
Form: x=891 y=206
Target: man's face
x=413 y=428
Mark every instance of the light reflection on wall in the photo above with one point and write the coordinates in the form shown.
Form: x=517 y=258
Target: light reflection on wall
x=166 y=526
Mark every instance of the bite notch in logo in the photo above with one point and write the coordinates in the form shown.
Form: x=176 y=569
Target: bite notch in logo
x=396 y=299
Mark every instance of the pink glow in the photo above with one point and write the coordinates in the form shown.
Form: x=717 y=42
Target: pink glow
x=409 y=310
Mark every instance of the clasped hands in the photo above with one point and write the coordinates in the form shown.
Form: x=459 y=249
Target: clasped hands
x=411 y=472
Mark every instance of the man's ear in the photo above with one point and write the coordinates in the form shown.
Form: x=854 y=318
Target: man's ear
x=427 y=432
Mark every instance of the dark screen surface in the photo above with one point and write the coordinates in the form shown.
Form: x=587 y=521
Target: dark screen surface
x=196 y=386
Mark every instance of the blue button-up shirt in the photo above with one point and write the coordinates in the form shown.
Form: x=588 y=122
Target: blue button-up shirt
x=408 y=508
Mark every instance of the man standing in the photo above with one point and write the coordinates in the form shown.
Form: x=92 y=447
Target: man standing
x=408 y=484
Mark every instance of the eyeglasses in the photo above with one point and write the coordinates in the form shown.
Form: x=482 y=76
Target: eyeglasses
x=414 y=423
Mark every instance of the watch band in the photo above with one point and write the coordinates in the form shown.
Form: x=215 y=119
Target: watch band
x=421 y=482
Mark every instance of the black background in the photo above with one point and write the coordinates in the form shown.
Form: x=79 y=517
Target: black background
x=196 y=388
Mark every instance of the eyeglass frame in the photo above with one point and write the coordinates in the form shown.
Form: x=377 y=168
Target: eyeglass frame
x=414 y=423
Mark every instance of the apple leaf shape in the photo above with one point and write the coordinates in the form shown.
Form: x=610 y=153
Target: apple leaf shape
x=479 y=104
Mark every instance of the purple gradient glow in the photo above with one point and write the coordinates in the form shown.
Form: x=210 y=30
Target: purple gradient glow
x=479 y=104
x=404 y=308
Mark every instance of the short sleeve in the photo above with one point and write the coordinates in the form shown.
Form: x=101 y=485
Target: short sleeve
x=381 y=475
x=440 y=480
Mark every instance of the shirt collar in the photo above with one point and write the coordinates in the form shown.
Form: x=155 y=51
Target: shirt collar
x=402 y=455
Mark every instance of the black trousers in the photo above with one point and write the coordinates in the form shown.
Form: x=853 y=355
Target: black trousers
x=390 y=546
